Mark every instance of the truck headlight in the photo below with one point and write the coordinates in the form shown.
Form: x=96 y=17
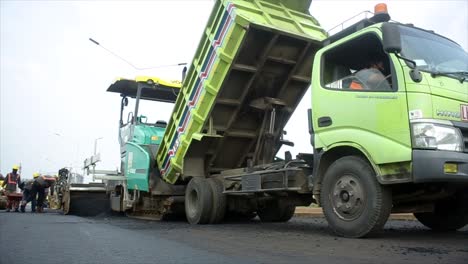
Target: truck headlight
x=436 y=136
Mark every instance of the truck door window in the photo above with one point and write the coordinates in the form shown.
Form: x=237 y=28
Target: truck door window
x=358 y=64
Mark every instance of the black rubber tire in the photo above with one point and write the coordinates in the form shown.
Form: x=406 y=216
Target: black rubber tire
x=218 y=210
x=198 y=201
x=376 y=200
x=277 y=210
x=448 y=215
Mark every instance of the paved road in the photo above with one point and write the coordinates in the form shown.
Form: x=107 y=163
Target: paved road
x=54 y=238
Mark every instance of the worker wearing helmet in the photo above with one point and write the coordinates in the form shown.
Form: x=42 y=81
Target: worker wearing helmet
x=11 y=182
x=3 y=198
x=41 y=183
x=2 y=179
x=26 y=186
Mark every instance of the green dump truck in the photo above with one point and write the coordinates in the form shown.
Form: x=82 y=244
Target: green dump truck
x=388 y=124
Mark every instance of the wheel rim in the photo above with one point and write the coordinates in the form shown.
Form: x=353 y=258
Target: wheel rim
x=348 y=197
x=192 y=203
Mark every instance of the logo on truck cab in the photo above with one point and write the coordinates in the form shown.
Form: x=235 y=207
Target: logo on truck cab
x=464 y=112
x=446 y=113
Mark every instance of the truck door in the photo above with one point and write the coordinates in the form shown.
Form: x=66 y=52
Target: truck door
x=359 y=99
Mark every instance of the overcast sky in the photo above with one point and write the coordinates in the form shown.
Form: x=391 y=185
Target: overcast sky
x=53 y=103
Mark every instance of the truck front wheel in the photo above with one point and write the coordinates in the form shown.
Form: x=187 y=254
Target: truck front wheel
x=448 y=215
x=353 y=201
x=198 y=201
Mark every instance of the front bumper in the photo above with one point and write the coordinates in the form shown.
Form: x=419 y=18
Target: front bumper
x=428 y=166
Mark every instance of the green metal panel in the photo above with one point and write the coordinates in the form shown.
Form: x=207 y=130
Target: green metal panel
x=137 y=165
x=435 y=95
x=146 y=134
x=301 y=6
x=378 y=122
x=140 y=153
x=250 y=49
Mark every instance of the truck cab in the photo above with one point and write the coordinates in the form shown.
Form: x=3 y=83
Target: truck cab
x=390 y=102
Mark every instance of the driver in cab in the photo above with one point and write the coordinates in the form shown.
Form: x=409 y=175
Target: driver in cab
x=371 y=78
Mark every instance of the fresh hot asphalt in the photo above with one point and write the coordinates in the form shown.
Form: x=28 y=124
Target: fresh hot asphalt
x=55 y=238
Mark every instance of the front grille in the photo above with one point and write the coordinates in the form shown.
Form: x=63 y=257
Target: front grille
x=464 y=130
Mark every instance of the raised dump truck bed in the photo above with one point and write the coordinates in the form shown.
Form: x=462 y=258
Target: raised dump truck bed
x=250 y=71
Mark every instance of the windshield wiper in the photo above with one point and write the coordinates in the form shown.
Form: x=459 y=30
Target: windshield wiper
x=462 y=74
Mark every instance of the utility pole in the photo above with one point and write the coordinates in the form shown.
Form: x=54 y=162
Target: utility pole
x=95 y=153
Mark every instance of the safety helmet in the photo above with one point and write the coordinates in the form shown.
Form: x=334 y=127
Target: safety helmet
x=36 y=174
x=15 y=167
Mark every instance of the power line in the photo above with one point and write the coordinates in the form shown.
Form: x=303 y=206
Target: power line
x=131 y=64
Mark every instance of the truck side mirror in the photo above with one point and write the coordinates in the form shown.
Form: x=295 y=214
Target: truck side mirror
x=391 y=38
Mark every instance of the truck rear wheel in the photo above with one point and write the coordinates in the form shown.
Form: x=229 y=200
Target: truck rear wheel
x=198 y=201
x=277 y=210
x=218 y=210
x=448 y=215
x=353 y=201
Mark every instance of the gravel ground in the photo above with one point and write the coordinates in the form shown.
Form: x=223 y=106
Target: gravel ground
x=55 y=238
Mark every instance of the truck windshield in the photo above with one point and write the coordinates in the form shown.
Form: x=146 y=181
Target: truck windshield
x=433 y=53
x=149 y=112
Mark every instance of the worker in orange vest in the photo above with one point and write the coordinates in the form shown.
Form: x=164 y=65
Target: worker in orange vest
x=11 y=182
x=371 y=78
